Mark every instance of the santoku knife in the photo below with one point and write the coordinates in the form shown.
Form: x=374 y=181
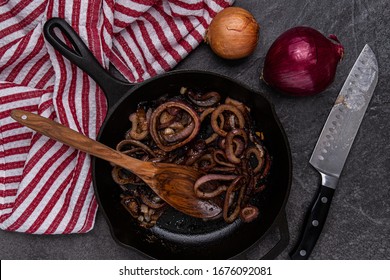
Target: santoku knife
x=334 y=144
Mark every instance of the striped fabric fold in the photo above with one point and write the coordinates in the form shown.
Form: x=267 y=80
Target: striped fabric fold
x=46 y=187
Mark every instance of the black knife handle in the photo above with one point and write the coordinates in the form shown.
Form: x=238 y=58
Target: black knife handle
x=313 y=225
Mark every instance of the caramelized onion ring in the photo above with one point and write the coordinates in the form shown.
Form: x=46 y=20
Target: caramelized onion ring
x=133 y=143
x=210 y=178
x=258 y=153
x=217 y=113
x=156 y=133
x=220 y=158
x=139 y=125
x=231 y=190
x=249 y=213
x=118 y=177
x=205 y=99
x=205 y=113
x=231 y=150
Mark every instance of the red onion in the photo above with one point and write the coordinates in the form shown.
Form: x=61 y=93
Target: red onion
x=302 y=61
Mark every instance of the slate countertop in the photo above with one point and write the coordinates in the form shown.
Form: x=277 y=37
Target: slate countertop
x=358 y=225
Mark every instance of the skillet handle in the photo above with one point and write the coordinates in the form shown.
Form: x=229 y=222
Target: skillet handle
x=81 y=56
x=284 y=238
x=282 y=244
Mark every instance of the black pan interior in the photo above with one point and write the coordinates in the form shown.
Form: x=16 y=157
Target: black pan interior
x=177 y=236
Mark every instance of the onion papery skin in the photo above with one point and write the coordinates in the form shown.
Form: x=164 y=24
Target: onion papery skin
x=302 y=61
x=233 y=33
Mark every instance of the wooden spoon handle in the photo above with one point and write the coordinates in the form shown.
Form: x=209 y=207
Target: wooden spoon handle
x=74 y=139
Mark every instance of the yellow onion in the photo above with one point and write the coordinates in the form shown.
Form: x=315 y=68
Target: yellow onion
x=233 y=33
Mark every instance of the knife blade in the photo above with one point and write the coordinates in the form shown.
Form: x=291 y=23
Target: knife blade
x=334 y=144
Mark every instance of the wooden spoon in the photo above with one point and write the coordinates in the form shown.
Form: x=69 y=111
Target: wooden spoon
x=173 y=183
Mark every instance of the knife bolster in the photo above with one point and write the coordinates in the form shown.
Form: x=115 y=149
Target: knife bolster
x=328 y=180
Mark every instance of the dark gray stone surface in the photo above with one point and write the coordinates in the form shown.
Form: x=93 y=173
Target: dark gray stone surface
x=358 y=225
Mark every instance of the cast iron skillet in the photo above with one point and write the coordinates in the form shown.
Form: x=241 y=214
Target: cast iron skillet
x=177 y=236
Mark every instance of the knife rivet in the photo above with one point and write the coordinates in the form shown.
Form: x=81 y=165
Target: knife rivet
x=23 y=117
x=315 y=223
x=326 y=143
x=324 y=199
x=302 y=253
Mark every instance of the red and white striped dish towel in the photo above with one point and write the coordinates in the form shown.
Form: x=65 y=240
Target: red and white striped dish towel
x=45 y=187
